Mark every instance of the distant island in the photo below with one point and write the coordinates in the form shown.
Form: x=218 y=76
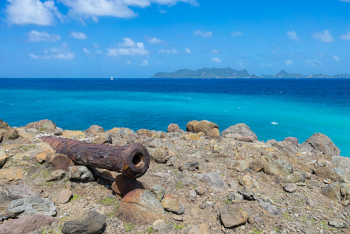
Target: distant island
x=231 y=73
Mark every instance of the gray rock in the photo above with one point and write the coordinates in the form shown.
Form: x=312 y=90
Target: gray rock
x=342 y=165
x=56 y=175
x=4 y=125
x=31 y=205
x=164 y=228
x=321 y=143
x=235 y=197
x=332 y=191
x=273 y=210
x=80 y=173
x=190 y=166
x=158 y=191
x=338 y=223
x=290 y=187
x=212 y=179
x=14 y=192
x=88 y=222
x=192 y=193
x=58 y=132
x=279 y=167
x=201 y=191
x=296 y=177
x=248 y=194
x=26 y=224
x=240 y=132
x=188 y=181
x=293 y=140
x=233 y=185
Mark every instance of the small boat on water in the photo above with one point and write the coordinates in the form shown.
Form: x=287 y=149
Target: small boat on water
x=111 y=78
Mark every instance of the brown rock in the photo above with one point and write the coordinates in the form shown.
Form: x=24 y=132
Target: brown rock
x=65 y=196
x=173 y=205
x=56 y=175
x=232 y=216
x=3 y=157
x=257 y=165
x=192 y=137
x=321 y=143
x=290 y=187
x=293 y=140
x=11 y=134
x=200 y=191
x=42 y=125
x=122 y=185
x=58 y=162
x=26 y=224
x=172 y=127
x=12 y=174
x=332 y=191
x=103 y=139
x=144 y=132
x=95 y=129
x=204 y=228
x=140 y=207
x=201 y=126
x=240 y=132
x=41 y=157
x=160 y=155
x=4 y=125
x=214 y=133
x=75 y=135
x=327 y=173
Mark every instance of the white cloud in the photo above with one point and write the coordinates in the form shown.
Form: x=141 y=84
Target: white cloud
x=129 y=47
x=144 y=62
x=292 y=35
x=203 y=34
x=313 y=63
x=96 y=45
x=161 y=11
x=86 y=51
x=154 y=40
x=345 y=36
x=172 y=51
x=187 y=51
x=78 y=35
x=128 y=62
x=237 y=34
x=36 y=36
x=324 y=36
x=215 y=51
x=336 y=58
x=114 y=8
x=32 y=12
x=98 y=51
x=288 y=62
x=344 y=0
x=217 y=60
x=56 y=52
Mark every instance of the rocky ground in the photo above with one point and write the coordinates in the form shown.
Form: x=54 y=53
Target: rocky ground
x=199 y=181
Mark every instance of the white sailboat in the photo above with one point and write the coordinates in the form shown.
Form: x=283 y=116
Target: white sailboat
x=111 y=77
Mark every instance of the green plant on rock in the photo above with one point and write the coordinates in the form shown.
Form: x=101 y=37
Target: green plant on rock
x=129 y=227
x=178 y=226
x=178 y=185
x=324 y=225
x=286 y=216
x=108 y=201
x=76 y=197
x=46 y=174
x=254 y=231
x=227 y=201
x=150 y=230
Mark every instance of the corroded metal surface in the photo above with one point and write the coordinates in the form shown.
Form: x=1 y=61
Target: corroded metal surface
x=132 y=160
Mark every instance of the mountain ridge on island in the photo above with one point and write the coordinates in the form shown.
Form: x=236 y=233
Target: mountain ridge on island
x=231 y=73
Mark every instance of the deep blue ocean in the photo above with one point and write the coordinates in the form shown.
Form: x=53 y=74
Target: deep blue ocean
x=272 y=108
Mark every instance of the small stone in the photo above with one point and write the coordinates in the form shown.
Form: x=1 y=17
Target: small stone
x=204 y=228
x=232 y=216
x=58 y=162
x=214 y=133
x=172 y=205
x=248 y=182
x=248 y=194
x=41 y=157
x=290 y=188
x=188 y=181
x=192 y=193
x=65 y=196
x=158 y=191
x=233 y=185
x=212 y=179
x=87 y=222
x=194 y=230
x=58 y=132
x=103 y=139
x=178 y=217
x=273 y=210
x=12 y=174
x=200 y=191
x=56 y=175
x=95 y=129
x=235 y=197
x=80 y=173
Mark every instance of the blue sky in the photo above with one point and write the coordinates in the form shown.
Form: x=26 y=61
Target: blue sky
x=136 y=38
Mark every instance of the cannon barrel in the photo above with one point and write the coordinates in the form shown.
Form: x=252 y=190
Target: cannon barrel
x=132 y=160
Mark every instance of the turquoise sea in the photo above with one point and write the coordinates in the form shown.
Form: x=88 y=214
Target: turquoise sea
x=272 y=108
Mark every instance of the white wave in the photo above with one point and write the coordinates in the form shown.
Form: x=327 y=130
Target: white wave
x=274 y=123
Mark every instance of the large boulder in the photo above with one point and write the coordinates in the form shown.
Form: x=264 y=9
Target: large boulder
x=172 y=127
x=15 y=192
x=4 y=125
x=31 y=205
x=26 y=224
x=140 y=207
x=327 y=173
x=11 y=134
x=173 y=205
x=204 y=126
x=279 y=167
x=42 y=125
x=342 y=167
x=332 y=191
x=240 y=132
x=86 y=222
x=321 y=143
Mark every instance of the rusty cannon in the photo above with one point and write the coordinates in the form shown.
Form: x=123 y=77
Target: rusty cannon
x=131 y=160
